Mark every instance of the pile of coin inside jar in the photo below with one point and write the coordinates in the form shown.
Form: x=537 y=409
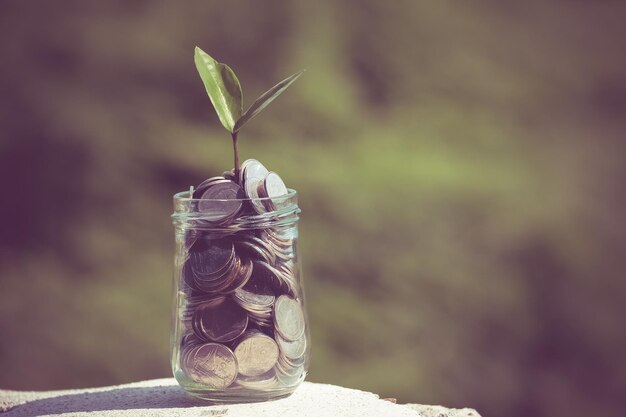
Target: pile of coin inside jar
x=240 y=303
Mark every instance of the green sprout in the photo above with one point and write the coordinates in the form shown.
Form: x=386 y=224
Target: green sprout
x=224 y=90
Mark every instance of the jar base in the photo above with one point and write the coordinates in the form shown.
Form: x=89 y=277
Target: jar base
x=239 y=397
x=233 y=395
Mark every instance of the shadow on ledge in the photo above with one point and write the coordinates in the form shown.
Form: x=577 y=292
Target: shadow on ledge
x=131 y=398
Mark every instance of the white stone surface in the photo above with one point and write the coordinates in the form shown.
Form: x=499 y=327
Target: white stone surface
x=438 y=411
x=163 y=397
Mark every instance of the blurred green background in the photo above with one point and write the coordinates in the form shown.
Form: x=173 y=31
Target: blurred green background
x=460 y=168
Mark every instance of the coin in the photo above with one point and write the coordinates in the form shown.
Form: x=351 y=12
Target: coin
x=220 y=201
x=288 y=274
x=210 y=281
x=262 y=248
x=280 y=279
x=190 y=340
x=292 y=350
x=289 y=379
x=288 y=318
x=251 y=186
x=208 y=257
x=278 y=239
x=252 y=175
x=288 y=365
x=284 y=255
x=214 y=284
x=254 y=300
x=219 y=320
x=186 y=356
x=213 y=365
x=243 y=275
x=200 y=189
x=256 y=354
x=252 y=169
x=273 y=187
x=255 y=251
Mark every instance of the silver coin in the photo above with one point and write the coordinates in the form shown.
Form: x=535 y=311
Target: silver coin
x=211 y=256
x=255 y=250
x=243 y=275
x=292 y=350
x=287 y=278
x=262 y=324
x=265 y=321
x=219 y=281
x=251 y=187
x=279 y=239
x=253 y=175
x=219 y=320
x=289 y=274
x=189 y=340
x=256 y=354
x=255 y=311
x=274 y=186
x=291 y=379
x=272 y=271
x=252 y=169
x=263 y=246
x=257 y=301
x=220 y=201
x=281 y=254
x=213 y=365
x=288 y=367
x=288 y=318
x=205 y=184
x=186 y=358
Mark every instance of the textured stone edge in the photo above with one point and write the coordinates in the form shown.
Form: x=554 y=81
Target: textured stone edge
x=439 y=411
x=10 y=399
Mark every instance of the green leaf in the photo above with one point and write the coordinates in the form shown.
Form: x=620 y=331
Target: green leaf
x=222 y=86
x=265 y=99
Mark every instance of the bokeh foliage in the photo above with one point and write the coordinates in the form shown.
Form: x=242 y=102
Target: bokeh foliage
x=460 y=169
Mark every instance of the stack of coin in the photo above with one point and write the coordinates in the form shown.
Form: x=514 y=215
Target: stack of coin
x=290 y=325
x=242 y=305
x=256 y=354
x=258 y=301
x=219 y=200
x=214 y=267
x=210 y=364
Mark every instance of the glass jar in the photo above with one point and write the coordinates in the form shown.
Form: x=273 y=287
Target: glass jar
x=239 y=326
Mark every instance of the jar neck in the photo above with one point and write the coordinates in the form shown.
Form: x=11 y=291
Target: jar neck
x=282 y=218
x=187 y=216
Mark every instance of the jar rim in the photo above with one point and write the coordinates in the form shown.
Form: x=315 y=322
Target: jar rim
x=285 y=213
x=184 y=196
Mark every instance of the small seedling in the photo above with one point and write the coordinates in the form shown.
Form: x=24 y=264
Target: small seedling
x=224 y=90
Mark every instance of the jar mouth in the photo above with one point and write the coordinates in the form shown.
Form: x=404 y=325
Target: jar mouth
x=220 y=214
x=185 y=197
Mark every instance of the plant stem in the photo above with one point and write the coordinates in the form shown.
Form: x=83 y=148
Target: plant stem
x=236 y=153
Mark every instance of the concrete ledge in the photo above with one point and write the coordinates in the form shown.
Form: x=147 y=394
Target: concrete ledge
x=163 y=397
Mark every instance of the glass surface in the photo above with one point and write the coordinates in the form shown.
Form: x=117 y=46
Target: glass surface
x=239 y=326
